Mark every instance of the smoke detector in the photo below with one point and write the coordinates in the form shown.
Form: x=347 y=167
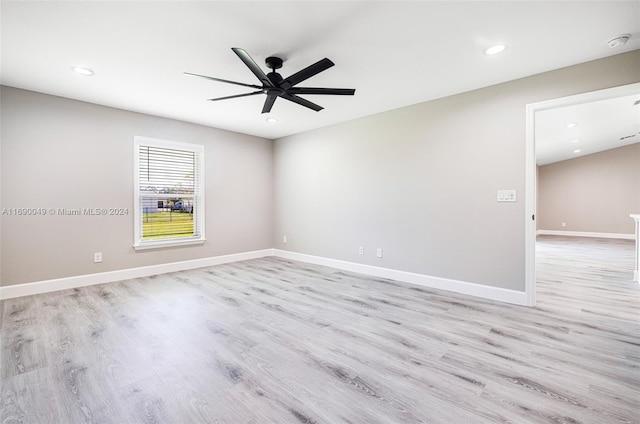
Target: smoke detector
x=619 y=41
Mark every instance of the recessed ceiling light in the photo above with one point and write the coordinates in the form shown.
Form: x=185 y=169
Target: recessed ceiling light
x=575 y=140
x=271 y=120
x=498 y=48
x=82 y=71
x=572 y=125
x=576 y=151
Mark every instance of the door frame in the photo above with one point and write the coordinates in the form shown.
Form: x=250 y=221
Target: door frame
x=530 y=169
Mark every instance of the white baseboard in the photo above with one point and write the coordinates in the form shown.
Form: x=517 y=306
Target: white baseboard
x=46 y=286
x=585 y=234
x=463 y=287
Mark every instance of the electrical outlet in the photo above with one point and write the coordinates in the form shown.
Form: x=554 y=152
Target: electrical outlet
x=97 y=257
x=361 y=250
x=284 y=239
x=379 y=253
x=564 y=224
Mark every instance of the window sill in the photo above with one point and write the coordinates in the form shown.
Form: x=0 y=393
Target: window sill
x=159 y=244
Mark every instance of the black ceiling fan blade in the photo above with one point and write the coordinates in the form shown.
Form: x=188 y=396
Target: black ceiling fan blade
x=315 y=90
x=268 y=103
x=299 y=100
x=306 y=73
x=236 y=96
x=223 y=80
x=251 y=64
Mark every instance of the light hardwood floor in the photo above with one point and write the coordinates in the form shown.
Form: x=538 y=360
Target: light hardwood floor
x=277 y=341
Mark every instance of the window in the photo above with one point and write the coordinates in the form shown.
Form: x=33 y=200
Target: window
x=169 y=193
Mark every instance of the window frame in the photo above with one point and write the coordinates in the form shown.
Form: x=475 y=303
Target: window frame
x=198 y=195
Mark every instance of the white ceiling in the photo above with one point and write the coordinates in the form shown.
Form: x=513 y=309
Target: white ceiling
x=393 y=53
x=599 y=125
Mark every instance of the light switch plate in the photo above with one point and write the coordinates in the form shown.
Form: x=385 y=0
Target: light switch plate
x=507 y=196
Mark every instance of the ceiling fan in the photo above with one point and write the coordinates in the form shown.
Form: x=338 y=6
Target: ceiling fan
x=274 y=86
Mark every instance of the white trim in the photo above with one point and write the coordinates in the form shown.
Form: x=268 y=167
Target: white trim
x=473 y=289
x=463 y=287
x=168 y=144
x=46 y=286
x=585 y=234
x=530 y=208
x=159 y=244
x=636 y=272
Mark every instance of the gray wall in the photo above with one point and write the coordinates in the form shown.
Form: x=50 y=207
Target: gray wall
x=594 y=193
x=61 y=153
x=421 y=182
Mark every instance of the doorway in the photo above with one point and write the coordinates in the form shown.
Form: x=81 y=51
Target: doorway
x=533 y=110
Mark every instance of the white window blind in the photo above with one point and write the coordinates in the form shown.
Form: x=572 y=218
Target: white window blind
x=169 y=193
